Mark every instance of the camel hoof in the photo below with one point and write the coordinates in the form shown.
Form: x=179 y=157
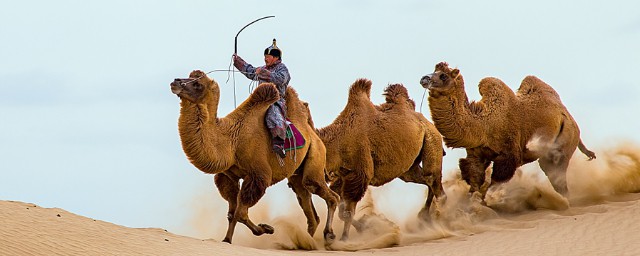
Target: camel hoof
x=329 y=238
x=476 y=197
x=424 y=215
x=227 y=240
x=266 y=229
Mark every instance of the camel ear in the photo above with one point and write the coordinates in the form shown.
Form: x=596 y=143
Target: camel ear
x=454 y=73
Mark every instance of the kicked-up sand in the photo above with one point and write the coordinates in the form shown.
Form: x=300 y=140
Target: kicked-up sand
x=525 y=217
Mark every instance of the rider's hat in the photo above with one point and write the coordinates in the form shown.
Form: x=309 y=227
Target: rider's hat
x=273 y=50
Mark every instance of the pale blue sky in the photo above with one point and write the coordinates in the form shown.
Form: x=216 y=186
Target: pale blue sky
x=88 y=123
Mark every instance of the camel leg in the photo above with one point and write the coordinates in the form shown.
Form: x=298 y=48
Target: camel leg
x=313 y=179
x=473 y=171
x=555 y=167
x=354 y=187
x=349 y=212
x=315 y=184
x=432 y=154
x=304 y=199
x=336 y=186
x=416 y=174
x=253 y=188
x=504 y=167
x=229 y=188
x=432 y=174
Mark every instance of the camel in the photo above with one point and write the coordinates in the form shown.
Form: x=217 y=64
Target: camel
x=372 y=145
x=499 y=127
x=238 y=146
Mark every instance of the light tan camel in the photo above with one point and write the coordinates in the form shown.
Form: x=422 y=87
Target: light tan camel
x=372 y=145
x=499 y=127
x=238 y=147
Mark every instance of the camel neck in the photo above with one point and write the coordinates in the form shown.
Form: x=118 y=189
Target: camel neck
x=203 y=141
x=455 y=121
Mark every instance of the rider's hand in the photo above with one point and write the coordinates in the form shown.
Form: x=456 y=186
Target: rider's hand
x=237 y=61
x=263 y=73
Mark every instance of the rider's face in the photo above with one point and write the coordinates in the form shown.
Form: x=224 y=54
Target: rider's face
x=269 y=60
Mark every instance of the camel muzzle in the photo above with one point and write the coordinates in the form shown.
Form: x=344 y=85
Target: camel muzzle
x=176 y=85
x=426 y=80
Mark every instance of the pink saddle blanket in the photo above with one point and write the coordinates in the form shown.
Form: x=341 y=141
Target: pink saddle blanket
x=294 y=139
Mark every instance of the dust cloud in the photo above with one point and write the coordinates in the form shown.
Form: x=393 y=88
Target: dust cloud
x=389 y=213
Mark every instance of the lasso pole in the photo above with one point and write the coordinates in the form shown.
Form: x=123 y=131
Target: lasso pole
x=235 y=49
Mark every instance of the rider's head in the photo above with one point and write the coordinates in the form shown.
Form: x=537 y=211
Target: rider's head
x=273 y=50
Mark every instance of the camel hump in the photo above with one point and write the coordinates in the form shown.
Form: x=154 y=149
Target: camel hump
x=265 y=92
x=397 y=93
x=495 y=90
x=361 y=85
x=532 y=85
x=291 y=94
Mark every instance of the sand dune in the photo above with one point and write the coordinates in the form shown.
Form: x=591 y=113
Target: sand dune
x=526 y=218
x=609 y=228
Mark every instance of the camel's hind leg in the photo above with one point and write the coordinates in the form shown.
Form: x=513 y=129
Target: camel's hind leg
x=253 y=188
x=304 y=199
x=554 y=165
x=415 y=174
x=431 y=156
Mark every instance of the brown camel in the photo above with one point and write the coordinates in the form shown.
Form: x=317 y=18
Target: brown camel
x=238 y=147
x=372 y=145
x=499 y=127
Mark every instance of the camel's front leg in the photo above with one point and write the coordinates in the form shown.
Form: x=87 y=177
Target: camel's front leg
x=253 y=188
x=355 y=184
x=473 y=171
x=229 y=188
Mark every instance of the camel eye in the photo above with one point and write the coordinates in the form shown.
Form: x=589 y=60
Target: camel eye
x=443 y=77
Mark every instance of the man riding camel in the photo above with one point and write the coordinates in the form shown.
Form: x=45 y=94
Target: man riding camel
x=274 y=71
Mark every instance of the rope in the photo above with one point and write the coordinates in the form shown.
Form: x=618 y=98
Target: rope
x=234 y=80
x=424 y=93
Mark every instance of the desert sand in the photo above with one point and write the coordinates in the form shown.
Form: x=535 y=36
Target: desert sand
x=526 y=217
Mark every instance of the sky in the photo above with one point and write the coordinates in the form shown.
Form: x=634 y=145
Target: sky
x=88 y=122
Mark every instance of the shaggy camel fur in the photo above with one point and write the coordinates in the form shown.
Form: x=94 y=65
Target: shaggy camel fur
x=238 y=147
x=499 y=127
x=372 y=145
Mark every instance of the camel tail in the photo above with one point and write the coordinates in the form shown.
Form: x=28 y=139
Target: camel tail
x=586 y=151
x=265 y=93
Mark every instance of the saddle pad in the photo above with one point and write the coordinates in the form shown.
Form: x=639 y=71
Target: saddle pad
x=294 y=139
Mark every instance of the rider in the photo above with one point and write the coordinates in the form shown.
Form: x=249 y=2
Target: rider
x=274 y=71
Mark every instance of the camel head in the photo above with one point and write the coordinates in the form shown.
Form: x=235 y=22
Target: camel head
x=442 y=80
x=193 y=88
